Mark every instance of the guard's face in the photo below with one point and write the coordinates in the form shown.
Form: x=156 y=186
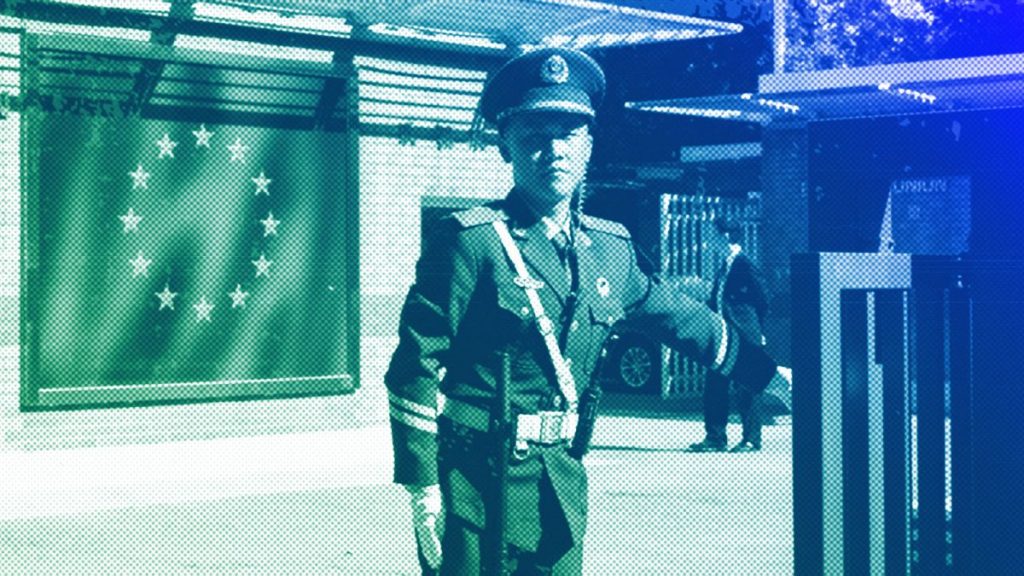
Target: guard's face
x=549 y=152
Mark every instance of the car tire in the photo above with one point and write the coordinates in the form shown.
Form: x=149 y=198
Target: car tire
x=634 y=365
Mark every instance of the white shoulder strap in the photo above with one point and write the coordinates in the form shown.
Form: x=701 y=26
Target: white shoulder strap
x=566 y=383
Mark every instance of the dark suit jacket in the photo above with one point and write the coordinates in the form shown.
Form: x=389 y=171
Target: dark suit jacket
x=744 y=301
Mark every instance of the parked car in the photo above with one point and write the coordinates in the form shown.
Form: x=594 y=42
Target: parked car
x=634 y=365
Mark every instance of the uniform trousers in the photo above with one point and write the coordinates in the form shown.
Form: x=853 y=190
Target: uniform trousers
x=464 y=545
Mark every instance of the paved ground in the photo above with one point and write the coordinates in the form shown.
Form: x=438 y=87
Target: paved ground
x=306 y=509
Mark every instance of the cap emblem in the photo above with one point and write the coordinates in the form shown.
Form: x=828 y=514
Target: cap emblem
x=555 y=70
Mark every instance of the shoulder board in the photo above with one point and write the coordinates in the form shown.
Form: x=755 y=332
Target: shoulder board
x=478 y=215
x=602 y=225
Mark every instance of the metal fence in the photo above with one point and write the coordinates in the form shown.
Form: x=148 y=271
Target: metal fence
x=686 y=223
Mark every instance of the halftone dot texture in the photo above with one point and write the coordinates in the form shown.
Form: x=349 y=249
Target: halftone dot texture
x=172 y=252
x=142 y=246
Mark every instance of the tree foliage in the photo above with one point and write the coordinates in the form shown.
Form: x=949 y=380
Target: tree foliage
x=828 y=34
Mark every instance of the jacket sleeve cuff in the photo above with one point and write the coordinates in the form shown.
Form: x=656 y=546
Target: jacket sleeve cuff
x=415 y=455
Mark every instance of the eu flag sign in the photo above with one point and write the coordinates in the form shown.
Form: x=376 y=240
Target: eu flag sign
x=167 y=261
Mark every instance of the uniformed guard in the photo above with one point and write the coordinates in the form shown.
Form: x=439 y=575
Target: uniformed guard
x=519 y=295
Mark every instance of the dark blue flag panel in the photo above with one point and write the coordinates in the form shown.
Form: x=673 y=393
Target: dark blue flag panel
x=172 y=261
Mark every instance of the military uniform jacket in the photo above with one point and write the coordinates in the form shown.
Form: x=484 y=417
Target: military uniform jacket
x=465 y=312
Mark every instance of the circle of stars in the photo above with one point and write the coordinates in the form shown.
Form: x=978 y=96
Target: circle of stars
x=269 y=225
x=130 y=220
x=262 y=184
x=203 y=309
x=238 y=297
x=140 y=178
x=262 y=266
x=166 y=146
x=166 y=297
x=140 y=265
x=202 y=136
x=238 y=151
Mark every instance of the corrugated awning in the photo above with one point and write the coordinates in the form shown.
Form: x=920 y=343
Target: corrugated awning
x=292 y=62
x=932 y=86
x=496 y=24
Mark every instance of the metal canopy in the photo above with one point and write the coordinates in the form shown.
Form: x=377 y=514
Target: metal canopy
x=291 y=62
x=933 y=86
x=504 y=23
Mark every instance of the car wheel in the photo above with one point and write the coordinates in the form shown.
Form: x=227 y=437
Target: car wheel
x=634 y=365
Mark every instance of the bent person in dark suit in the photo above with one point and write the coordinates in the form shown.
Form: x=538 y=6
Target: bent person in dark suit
x=519 y=296
x=738 y=294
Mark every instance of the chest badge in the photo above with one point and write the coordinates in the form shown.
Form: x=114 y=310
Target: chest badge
x=603 y=287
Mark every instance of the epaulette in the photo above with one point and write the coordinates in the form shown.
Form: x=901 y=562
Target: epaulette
x=478 y=215
x=602 y=225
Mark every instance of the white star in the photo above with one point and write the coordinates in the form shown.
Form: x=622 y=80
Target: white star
x=140 y=265
x=140 y=178
x=270 y=225
x=166 y=297
x=262 y=266
x=262 y=184
x=166 y=146
x=202 y=136
x=131 y=221
x=238 y=297
x=238 y=150
x=203 y=309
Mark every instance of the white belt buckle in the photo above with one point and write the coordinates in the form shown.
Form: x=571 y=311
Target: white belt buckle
x=546 y=427
x=552 y=427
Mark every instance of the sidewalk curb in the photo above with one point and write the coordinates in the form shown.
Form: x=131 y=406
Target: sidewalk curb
x=62 y=482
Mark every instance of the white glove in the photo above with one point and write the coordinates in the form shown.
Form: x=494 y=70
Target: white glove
x=426 y=508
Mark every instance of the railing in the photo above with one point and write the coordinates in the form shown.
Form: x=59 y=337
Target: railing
x=882 y=415
x=686 y=222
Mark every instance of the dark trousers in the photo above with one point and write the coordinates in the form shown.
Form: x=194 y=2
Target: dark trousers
x=461 y=548
x=465 y=547
x=716 y=411
x=461 y=551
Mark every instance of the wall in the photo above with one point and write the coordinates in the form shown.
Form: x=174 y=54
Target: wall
x=10 y=218
x=783 y=226
x=393 y=179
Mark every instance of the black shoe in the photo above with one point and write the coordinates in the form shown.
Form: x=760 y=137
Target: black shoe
x=706 y=445
x=745 y=446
